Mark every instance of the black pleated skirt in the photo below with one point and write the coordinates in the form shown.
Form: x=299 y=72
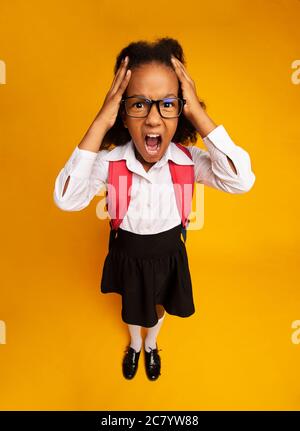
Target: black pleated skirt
x=147 y=270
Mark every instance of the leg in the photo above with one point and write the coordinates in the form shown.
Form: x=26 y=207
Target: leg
x=136 y=338
x=160 y=310
x=152 y=333
x=131 y=357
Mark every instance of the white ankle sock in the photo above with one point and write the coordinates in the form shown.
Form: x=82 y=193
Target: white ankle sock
x=136 y=337
x=150 y=340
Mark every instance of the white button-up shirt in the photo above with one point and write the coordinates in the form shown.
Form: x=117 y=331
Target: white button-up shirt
x=152 y=207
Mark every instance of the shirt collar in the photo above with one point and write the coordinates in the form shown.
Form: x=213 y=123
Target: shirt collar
x=126 y=152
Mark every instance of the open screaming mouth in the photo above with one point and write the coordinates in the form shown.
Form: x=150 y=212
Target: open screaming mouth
x=152 y=143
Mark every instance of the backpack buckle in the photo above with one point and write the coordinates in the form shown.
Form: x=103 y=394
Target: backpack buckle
x=183 y=233
x=183 y=229
x=112 y=235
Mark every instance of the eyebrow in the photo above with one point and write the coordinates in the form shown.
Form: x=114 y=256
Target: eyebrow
x=141 y=95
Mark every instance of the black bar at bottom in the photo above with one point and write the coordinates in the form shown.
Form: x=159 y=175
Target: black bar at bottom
x=132 y=420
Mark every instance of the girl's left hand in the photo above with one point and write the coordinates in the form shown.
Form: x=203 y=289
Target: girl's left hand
x=192 y=106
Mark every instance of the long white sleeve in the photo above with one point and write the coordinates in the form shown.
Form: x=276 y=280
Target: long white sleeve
x=213 y=169
x=88 y=174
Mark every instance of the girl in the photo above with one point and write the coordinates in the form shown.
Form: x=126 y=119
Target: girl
x=147 y=262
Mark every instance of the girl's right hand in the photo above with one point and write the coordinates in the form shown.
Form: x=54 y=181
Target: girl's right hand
x=109 y=110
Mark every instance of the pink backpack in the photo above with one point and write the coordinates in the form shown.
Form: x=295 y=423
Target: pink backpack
x=118 y=196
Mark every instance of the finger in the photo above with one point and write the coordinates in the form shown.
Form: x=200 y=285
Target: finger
x=177 y=61
x=117 y=74
x=179 y=64
x=122 y=67
x=124 y=77
x=120 y=77
x=184 y=73
x=124 y=82
x=178 y=70
x=181 y=67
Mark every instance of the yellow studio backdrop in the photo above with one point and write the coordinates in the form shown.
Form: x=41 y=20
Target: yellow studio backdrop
x=62 y=340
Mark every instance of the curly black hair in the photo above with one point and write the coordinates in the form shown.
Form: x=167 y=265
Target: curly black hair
x=140 y=53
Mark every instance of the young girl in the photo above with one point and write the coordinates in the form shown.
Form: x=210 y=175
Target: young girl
x=147 y=262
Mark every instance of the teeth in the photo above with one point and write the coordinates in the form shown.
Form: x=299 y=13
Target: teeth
x=152 y=150
x=152 y=135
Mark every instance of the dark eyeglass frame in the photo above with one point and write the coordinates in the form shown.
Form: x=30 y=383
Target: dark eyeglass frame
x=151 y=102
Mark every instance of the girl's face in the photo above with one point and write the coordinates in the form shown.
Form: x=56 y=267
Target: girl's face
x=154 y=81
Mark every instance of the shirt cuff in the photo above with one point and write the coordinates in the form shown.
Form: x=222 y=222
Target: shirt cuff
x=82 y=163
x=221 y=140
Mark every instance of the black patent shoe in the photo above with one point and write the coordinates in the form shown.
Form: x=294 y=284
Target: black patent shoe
x=152 y=363
x=130 y=362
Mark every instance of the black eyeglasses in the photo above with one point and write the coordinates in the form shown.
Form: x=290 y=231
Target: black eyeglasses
x=139 y=107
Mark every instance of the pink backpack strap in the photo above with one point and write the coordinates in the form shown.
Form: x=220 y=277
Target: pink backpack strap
x=183 y=178
x=120 y=181
x=118 y=196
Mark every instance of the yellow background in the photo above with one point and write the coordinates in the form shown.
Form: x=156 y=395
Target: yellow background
x=65 y=340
